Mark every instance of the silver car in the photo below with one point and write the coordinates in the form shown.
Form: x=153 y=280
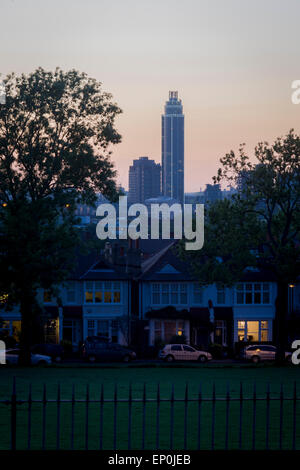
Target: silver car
x=12 y=357
x=262 y=352
x=183 y=352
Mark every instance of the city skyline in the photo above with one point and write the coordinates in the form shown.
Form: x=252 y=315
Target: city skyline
x=232 y=62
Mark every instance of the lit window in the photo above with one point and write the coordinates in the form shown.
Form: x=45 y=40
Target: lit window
x=180 y=328
x=253 y=331
x=3 y=298
x=98 y=292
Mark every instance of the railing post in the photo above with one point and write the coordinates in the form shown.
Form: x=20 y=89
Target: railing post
x=268 y=416
x=294 y=415
x=101 y=418
x=254 y=417
x=213 y=417
x=281 y=416
x=241 y=417
x=13 y=416
x=58 y=419
x=72 y=417
x=172 y=418
x=44 y=418
x=227 y=417
x=144 y=417
x=199 y=417
x=87 y=400
x=157 y=415
x=186 y=397
x=29 y=418
x=115 y=416
x=129 y=415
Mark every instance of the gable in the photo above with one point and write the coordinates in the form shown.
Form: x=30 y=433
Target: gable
x=168 y=269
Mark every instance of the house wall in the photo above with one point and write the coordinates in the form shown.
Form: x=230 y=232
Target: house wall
x=254 y=312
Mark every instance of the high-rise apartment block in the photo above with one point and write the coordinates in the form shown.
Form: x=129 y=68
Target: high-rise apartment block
x=144 y=180
x=173 y=148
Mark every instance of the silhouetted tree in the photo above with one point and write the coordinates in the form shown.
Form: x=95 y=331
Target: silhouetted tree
x=55 y=134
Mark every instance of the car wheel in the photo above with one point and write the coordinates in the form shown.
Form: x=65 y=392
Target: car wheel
x=92 y=359
x=202 y=358
x=170 y=358
x=255 y=359
x=126 y=358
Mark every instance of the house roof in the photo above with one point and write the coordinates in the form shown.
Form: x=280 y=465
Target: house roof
x=166 y=266
x=103 y=270
x=93 y=266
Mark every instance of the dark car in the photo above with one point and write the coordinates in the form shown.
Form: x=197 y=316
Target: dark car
x=55 y=351
x=104 y=351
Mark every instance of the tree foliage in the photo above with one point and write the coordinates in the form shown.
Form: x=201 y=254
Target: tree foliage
x=56 y=132
x=259 y=225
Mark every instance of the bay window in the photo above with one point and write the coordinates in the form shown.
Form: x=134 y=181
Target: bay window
x=249 y=293
x=169 y=294
x=102 y=292
x=165 y=330
x=253 y=330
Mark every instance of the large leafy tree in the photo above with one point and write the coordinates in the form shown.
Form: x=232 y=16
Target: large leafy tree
x=56 y=132
x=259 y=225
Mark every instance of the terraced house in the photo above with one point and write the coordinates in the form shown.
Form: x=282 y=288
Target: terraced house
x=142 y=296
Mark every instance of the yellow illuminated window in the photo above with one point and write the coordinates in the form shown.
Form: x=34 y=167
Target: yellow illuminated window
x=89 y=297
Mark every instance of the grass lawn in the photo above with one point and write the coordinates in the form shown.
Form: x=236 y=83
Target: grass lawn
x=138 y=375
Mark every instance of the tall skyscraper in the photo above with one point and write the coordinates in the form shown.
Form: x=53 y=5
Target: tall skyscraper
x=173 y=148
x=144 y=180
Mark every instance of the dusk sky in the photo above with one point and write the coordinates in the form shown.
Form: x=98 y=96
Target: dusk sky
x=231 y=61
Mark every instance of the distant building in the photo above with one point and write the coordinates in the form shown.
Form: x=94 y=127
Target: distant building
x=212 y=193
x=173 y=149
x=144 y=180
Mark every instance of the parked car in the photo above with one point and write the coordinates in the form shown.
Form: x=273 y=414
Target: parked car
x=103 y=351
x=12 y=357
x=262 y=352
x=55 y=351
x=183 y=352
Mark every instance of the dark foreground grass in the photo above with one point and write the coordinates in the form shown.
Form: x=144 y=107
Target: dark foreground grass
x=195 y=376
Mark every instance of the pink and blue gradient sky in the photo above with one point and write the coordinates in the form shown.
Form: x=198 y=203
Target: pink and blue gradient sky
x=232 y=62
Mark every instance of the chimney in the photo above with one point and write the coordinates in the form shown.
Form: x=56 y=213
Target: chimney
x=133 y=265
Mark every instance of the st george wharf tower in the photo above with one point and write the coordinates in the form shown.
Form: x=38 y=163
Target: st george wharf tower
x=172 y=148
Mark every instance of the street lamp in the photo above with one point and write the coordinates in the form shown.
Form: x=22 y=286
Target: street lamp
x=291 y=298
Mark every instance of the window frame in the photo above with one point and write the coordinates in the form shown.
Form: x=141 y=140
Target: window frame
x=260 y=329
x=107 y=289
x=248 y=290
x=168 y=289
